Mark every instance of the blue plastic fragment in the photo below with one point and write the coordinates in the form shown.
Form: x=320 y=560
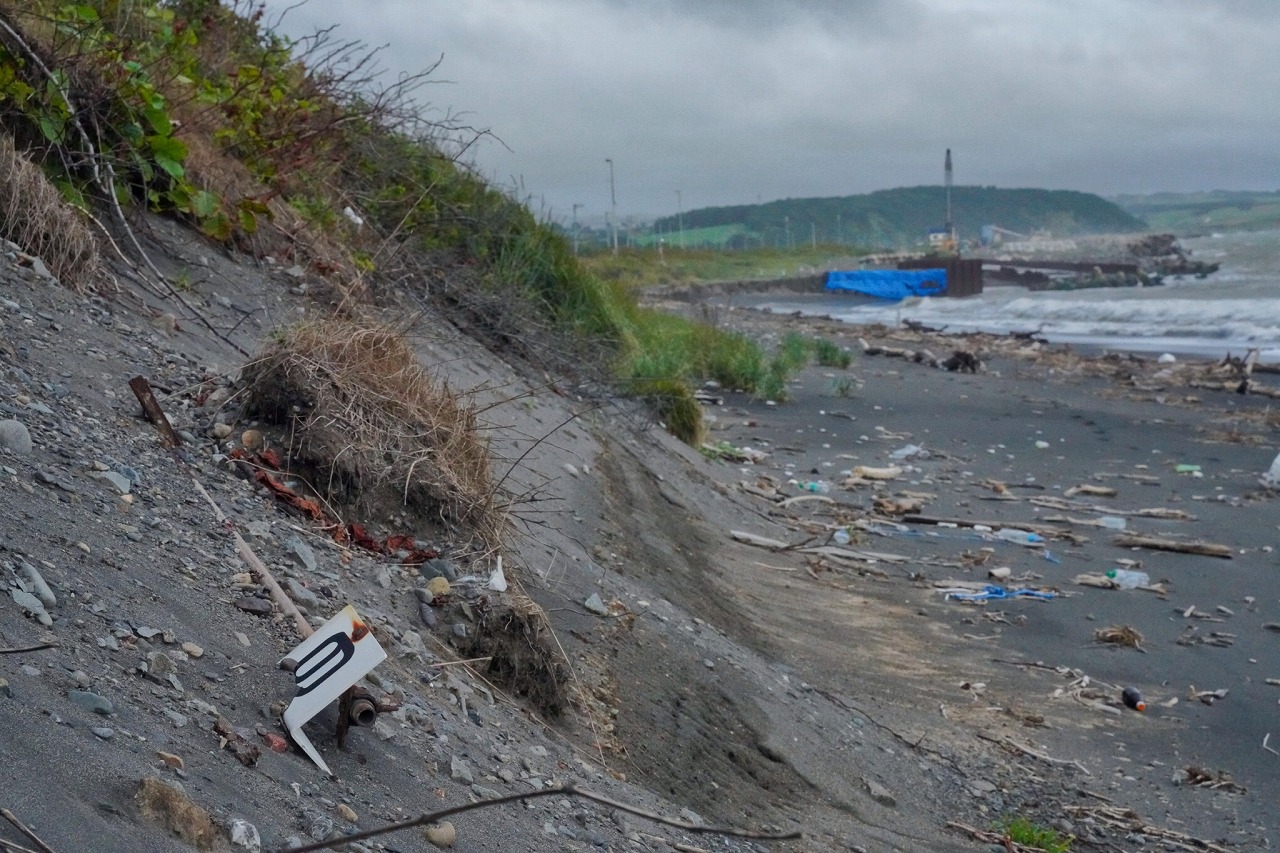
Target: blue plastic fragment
x=993 y=592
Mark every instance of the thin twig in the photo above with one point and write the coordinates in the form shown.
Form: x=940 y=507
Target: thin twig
x=458 y=662
x=36 y=648
x=566 y=790
x=31 y=836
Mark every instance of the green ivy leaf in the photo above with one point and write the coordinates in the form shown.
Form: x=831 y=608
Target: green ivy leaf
x=159 y=120
x=53 y=128
x=204 y=204
x=168 y=154
x=217 y=226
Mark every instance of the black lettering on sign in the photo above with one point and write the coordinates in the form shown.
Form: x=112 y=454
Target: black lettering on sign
x=323 y=661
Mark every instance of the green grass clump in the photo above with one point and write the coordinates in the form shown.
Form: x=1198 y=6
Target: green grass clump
x=679 y=410
x=830 y=354
x=1019 y=830
x=794 y=351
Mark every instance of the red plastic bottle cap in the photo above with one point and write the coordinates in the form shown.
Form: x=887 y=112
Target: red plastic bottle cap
x=1133 y=699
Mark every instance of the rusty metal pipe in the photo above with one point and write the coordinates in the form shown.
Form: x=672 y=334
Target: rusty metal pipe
x=363 y=712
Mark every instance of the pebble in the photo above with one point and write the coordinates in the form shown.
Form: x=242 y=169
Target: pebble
x=104 y=732
x=193 y=650
x=301 y=594
x=5 y=690
x=441 y=834
x=596 y=605
x=438 y=586
x=170 y=760
x=442 y=567
x=253 y=604
x=251 y=439
x=119 y=482
x=880 y=793
x=38 y=586
x=244 y=835
x=300 y=552
x=15 y=436
x=32 y=605
x=348 y=813
x=459 y=771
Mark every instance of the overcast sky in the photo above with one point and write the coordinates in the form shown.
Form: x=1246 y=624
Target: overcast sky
x=738 y=101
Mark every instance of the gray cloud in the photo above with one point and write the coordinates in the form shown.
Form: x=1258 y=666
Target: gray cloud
x=733 y=100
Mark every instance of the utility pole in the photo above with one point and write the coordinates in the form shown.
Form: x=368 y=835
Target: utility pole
x=951 y=231
x=680 y=216
x=813 y=234
x=786 y=227
x=839 y=230
x=575 y=228
x=613 y=206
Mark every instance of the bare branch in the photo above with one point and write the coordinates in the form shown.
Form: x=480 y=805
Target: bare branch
x=566 y=790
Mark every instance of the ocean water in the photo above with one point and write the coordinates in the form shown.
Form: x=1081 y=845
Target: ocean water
x=1231 y=311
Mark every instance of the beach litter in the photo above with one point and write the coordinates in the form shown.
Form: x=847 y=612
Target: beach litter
x=1132 y=698
x=1271 y=479
x=995 y=592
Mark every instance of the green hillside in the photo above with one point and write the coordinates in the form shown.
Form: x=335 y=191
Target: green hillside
x=902 y=218
x=1196 y=213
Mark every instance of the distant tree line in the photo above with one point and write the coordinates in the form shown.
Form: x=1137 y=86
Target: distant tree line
x=902 y=218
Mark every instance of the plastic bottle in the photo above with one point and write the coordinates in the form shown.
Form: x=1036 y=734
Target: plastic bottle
x=1021 y=537
x=1127 y=579
x=1132 y=698
x=819 y=486
x=841 y=536
x=1113 y=522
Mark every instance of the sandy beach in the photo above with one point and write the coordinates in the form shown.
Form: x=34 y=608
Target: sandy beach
x=1044 y=440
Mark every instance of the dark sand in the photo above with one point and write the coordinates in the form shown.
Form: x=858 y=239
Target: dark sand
x=882 y=632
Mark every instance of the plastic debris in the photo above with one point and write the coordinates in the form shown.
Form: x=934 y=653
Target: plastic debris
x=497 y=580
x=1132 y=698
x=1020 y=537
x=1129 y=579
x=993 y=592
x=1271 y=479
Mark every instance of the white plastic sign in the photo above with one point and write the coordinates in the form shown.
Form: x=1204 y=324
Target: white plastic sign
x=332 y=659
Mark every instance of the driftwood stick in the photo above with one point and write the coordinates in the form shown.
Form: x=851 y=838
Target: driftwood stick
x=14 y=847
x=1157 y=543
x=566 y=790
x=264 y=576
x=35 y=648
x=21 y=827
x=142 y=390
x=1025 y=750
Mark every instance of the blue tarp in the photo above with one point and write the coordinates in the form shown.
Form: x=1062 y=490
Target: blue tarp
x=889 y=284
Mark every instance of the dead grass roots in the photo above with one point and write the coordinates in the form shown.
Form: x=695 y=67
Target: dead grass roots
x=375 y=429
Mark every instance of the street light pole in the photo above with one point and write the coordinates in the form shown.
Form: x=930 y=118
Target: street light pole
x=575 y=228
x=680 y=216
x=613 y=206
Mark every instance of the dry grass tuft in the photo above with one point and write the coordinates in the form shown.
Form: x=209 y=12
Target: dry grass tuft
x=374 y=428
x=523 y=655
x=34 y=215
x=167 y=805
